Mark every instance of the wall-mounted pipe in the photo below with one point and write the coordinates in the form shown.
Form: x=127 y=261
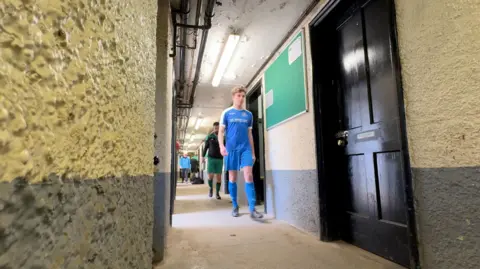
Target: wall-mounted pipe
x=184 y=6
x=187 y=107
x=201 y=51
x=195 y=33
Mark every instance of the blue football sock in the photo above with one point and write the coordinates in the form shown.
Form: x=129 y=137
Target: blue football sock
x=232 y=188
x=251 y=196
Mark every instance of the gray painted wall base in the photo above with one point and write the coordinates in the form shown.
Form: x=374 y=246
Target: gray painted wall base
x=161 y=209
x=292 y=196
x=103 y=223
x=448 y=216
x=241 y=195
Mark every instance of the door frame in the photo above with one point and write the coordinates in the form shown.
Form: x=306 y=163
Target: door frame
x=259 y=88
x=327 y=232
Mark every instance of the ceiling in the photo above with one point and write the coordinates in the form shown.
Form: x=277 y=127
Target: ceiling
x=262 y=25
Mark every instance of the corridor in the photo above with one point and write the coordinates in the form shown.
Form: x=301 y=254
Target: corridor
x=362 y=118
x=205 y=236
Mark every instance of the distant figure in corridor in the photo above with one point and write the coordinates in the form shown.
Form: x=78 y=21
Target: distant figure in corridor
x=194 y=168
x=184 y=167
x=195 y=179
x=215 y=161
x=239 y=151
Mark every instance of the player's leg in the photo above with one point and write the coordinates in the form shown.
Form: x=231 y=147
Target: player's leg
x=210 y=171
x=247 y=165
x=232 y=162
x=217 y=170
x=182 y=174
x=218 y=185
x=210 y=184
x=232 y=188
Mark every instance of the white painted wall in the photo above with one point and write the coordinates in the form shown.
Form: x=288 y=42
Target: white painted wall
x=291 y=145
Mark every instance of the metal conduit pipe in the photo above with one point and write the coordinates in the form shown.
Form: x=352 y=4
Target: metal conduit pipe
x=184 y=7
x=187 y=106
x=201 y=49
x=197 y=21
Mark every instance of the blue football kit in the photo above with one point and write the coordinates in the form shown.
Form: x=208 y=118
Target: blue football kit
x=237 y=123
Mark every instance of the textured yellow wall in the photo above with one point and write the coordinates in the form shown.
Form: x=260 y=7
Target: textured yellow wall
x=77 y=84
x=439 y=44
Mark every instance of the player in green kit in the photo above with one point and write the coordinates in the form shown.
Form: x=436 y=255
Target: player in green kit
x=215 y=161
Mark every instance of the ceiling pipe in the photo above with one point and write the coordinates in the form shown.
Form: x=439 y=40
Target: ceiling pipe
x=184 y=7
x=195 y=34
x=201 y=51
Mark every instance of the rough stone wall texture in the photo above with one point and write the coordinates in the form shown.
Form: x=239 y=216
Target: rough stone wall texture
x=440 y=57
x=77 y=100
x=77 y=224
x=78 y=82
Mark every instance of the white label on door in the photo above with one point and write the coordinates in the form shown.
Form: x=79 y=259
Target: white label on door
x=366 y=135
x=269 y=98
x=295 y=50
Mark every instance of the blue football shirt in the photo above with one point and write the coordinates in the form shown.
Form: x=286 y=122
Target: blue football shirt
x=237 y=124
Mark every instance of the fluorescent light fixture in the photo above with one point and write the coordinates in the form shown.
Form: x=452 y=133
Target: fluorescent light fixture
x=198 y=123
x=225 y=59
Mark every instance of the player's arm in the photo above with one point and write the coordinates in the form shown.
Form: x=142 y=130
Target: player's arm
x=221 y=136
x=250 y=136
x=207 y=145
x=221 y=132
x=205 y=149
x=252 y=144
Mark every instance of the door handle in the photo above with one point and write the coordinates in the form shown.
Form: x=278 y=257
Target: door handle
x=342 y=138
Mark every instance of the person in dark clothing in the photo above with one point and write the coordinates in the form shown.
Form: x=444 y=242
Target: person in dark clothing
x=195 y=170
x=194 y=167
x=215 y=161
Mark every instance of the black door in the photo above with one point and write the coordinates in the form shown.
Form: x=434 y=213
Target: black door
x=364 y=133
x=254 y=105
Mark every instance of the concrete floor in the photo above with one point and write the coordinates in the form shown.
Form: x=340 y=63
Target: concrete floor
x=204 y=235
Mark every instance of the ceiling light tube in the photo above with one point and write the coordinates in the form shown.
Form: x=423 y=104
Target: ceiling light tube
x=198 y=123
x=225 y=59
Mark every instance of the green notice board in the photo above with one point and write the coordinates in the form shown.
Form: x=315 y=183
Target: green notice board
x=284 y=84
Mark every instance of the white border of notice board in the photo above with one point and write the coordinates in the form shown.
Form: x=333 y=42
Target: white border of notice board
x=305 y=77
